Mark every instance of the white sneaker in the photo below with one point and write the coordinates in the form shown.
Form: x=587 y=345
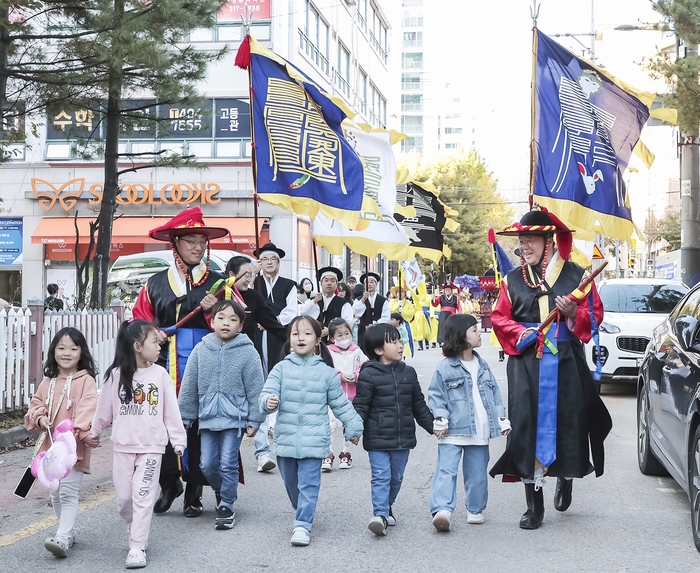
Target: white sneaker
x=327 y=464
x=136 y=559
x=300 y=537
x=441 y=520
x=265 y=464
x=377 y=525
x=475 y=518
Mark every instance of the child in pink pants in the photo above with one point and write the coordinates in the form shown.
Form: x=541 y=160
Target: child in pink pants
x=138 y=399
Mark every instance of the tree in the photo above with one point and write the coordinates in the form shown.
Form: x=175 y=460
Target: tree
x=681 y=74
x=667 y=228
x=466 y=185
x=135 y=51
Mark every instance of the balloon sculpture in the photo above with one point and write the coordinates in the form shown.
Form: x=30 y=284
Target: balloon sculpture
x=51 y=466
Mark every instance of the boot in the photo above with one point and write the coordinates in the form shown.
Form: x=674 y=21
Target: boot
x=562 y=494
x=534 y=515
x=501 y=355
x=168 y=494
x=193 y=500
x=420 y=345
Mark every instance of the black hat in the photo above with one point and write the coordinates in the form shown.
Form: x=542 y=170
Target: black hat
x=351 y=279
x=269 y=247
x=365 y=276
x=329 y=270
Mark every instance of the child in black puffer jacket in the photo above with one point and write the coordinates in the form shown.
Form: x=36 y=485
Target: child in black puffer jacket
x=389 y=401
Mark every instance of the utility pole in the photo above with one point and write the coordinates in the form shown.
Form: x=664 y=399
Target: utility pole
x=690 y=194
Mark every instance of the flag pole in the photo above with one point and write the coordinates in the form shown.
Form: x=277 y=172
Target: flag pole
x=247 y=18
x=534 y=14
x=318 y=282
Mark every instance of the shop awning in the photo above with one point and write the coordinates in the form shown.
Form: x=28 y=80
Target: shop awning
x=61 y=230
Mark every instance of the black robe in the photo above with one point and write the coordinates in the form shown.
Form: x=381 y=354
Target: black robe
x=258 y=312
x=277 y=303
x=371 y=315
x=583 y=421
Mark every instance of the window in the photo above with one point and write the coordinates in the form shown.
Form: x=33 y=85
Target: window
x=378 y=35
x=409 y=3
x=314 y=38
x=412 y=144
x=411 y=102
x=413 y=18
x=361 y=94
x=413 y=39
x=412 y=123
x=641 y=298
x=362 y=13
x=453 y=130
x=411 y=82
x=377 y=113
x=412 y=60
x=451 y=145
x=342 y=70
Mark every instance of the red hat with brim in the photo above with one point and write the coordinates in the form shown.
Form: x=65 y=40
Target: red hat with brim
x=449 y=285
x=187 y=222
x=542 y=222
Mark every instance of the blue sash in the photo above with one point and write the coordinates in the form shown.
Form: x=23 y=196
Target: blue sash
x=546 y=446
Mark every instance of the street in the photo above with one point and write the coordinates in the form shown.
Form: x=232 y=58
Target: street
x=623 y=521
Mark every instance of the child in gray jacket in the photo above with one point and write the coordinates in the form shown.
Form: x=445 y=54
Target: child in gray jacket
x=221 y=388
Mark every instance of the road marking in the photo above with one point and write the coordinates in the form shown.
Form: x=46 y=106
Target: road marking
x=31 y=529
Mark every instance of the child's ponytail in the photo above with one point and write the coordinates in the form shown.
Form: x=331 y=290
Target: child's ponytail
x=131 y=331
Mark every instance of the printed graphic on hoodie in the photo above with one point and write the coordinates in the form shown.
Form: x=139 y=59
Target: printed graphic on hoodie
x=143 y=402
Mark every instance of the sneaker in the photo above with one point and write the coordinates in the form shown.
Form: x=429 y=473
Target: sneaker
x=225 y=518
x=72 y=536
x=441 y=520
x=136 y=559
x=475 y=518
x=377 y=525
x=265 y=464
x=300 y=537
x=391 y=520
x=327 y=464
x=345 y=461
x=56 y=546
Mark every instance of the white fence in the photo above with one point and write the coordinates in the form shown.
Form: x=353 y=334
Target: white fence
x=14 y=365
x=20 y=371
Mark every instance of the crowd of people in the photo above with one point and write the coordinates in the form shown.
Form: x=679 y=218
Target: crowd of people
x=263 y=353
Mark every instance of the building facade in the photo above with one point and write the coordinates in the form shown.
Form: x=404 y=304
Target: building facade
x=342 y=45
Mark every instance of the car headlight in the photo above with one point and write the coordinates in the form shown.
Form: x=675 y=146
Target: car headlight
x=609 y=328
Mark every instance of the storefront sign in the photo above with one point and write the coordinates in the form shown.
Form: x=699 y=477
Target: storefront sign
x=10 y=241
x=68 y=193
x=235 y=9
x=72 y=124
x=232 y=118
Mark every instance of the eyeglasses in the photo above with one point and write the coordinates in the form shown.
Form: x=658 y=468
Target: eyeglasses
x=268 y=259
x=194 y=244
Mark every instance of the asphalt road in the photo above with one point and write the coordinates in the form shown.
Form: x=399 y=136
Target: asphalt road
x=621 y=522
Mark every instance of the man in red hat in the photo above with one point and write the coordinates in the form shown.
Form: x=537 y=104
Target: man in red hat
x=558 y=419
x=167 y=297
x=449 y=305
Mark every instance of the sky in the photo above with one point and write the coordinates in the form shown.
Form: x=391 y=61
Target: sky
x=492 y=41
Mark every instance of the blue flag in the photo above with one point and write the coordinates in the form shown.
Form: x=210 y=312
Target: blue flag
x=504 y=263
x=586 y=126
x=304 y=163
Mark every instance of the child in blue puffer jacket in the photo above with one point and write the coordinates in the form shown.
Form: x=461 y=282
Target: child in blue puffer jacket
x=220 y=388
x=301 y=388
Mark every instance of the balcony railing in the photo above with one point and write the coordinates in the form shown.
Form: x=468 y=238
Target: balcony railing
x=342 y=83
x=313 y=52
x=381 y=52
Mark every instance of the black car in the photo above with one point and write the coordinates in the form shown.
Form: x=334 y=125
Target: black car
x=668 y=403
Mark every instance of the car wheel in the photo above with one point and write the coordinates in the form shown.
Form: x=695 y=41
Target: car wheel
x=695 y=488
x=648 y=464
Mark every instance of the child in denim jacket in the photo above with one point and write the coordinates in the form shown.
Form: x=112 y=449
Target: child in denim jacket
x=468 y=409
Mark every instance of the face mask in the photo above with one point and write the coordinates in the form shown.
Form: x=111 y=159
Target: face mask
x=307 y=287
x=344 y=344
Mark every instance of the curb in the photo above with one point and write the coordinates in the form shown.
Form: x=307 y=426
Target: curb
x=14 y=435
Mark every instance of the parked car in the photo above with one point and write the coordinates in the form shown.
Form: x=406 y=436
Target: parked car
x=130 y=272
x=633 y=308
x=668 y=403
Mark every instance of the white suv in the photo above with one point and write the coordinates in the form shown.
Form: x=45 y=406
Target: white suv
x=633 y=308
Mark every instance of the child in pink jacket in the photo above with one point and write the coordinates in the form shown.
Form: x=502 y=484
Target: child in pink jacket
x=347 y=359
x=138 y=400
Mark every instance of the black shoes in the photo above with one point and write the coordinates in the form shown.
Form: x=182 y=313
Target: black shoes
x=168 y=496
x=193 y=501
x=534 y=515
x=562 y=494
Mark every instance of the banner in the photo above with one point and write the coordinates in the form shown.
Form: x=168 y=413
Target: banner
x=587 y=125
